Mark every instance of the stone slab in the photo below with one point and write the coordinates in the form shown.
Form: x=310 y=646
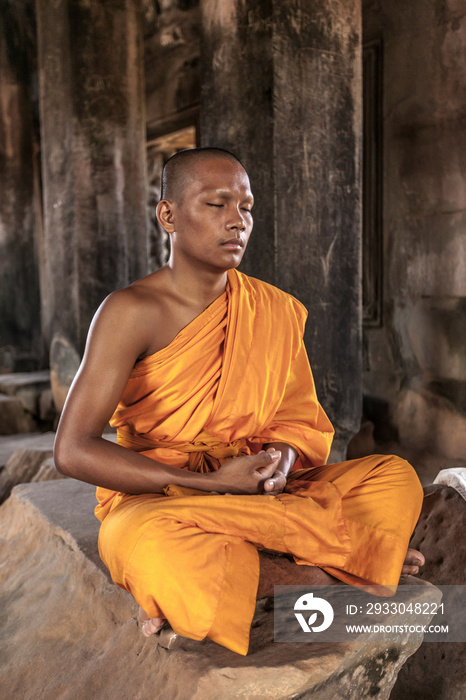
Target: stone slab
x=10 y=383
x=48 y=471
x=13 y=417
x=70 y=507
x=21 y=468
x=39 y=441
x=27 y=387
x=66 y=627
x=10 y=443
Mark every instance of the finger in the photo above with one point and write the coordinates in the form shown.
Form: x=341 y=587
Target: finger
x=266 y=462
x=271 y=452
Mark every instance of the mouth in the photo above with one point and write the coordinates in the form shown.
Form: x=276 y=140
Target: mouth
x=234 y=244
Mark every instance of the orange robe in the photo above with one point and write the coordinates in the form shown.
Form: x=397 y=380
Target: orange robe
x=235 y=378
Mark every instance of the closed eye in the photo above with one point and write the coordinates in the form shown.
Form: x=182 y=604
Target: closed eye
x=209 y=204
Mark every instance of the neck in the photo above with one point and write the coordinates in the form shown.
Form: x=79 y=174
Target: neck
x=199 y=287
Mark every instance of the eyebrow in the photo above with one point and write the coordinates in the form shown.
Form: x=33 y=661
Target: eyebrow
x=226 y=193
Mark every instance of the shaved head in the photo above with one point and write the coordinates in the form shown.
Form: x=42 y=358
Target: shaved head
x=180 y=170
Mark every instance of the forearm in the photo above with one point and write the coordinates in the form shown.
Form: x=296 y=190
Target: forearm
x=103 y=463
x=288 y=458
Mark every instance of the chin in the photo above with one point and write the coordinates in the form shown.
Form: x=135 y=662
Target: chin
x=233 y=264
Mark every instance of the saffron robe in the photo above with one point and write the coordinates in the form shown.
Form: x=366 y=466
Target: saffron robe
x=235 y=378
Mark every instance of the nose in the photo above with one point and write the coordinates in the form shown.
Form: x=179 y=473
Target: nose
x=236 y=222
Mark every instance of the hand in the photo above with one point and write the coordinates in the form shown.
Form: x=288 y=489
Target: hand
x=277 y=482
x=245 y=475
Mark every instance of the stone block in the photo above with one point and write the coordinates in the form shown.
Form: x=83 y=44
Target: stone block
x=26 y=386
x=68 y=628
x=13 y=418
x=48 y=471
x=439 y=535
x=22 y=467
x=10 y=443
x=437 y=670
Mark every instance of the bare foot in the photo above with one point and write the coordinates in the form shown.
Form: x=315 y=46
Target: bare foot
x=280 y=570
x=413 y=561
x=149 y=625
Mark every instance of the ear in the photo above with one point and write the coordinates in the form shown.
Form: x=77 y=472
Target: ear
x=165 y=215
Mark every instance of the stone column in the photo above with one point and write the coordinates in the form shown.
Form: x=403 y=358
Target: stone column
x=20 y=346
x=93 y=155
x=282 y=89
x=415 y=377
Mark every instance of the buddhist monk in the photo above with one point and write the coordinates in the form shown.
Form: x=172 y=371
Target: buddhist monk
x=222 y=443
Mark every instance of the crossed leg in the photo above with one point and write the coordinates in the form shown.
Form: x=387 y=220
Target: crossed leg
x=313 y=575
x=210 y=538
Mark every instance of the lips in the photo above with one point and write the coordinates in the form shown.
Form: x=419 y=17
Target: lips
x=234 y=242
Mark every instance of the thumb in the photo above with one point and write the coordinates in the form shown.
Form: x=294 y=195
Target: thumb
x=269 y=485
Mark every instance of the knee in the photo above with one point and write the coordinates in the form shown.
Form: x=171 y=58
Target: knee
x=118 y=540
x=407 y=481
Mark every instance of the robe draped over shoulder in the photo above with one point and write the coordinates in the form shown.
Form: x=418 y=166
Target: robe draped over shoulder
x=233 y=379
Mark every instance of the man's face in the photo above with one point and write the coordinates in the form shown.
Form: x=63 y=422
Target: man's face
x=213 y=222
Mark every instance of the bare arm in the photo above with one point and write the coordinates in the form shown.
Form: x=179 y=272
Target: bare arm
x=116 y=339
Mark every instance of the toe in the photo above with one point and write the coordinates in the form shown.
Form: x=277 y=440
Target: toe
x=414 y=558
x=408 y=570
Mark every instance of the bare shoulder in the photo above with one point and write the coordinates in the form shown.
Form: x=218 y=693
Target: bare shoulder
x=133 y=301
x=130 y=317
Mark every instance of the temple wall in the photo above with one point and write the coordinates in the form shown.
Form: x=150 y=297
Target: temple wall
x=415 y=364
x=90 y=58
x=172 y=40
x=20 y=327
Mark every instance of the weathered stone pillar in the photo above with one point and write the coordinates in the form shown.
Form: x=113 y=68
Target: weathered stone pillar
x=20 y=347
x=282 y=89
x=415 y=376
x=93 y=146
